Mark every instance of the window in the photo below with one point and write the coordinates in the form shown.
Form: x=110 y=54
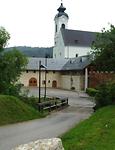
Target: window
x=76 y=55
x=34 y=71
x=63 y=26
x=76 y=41
x=26 y=71
x=53 y=71
x=48 y=81
x=56 y=27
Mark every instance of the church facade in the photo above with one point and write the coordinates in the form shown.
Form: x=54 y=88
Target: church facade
x=70 y=43
x=68 y=67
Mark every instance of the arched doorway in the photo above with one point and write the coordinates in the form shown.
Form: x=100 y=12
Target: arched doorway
x=33 y=82
x=54 y=84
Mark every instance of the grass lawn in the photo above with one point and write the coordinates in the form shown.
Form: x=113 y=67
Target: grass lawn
x=13 y=110
x=95 y=133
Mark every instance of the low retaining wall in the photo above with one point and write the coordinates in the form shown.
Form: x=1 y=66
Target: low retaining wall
x=43 y=144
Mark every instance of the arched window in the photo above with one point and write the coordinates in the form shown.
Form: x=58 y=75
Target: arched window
x=63 y=26
x=33 y=82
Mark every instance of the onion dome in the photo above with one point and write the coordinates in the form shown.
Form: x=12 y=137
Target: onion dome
x=61 y=12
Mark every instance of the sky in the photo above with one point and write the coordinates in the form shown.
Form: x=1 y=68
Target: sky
x=31 y=22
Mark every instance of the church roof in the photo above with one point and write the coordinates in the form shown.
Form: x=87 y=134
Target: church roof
x=78 y=63
x=77 y=37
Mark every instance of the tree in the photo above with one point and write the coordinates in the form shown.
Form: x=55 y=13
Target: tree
x=12 y=63
x=4 y=37
x=103 y=50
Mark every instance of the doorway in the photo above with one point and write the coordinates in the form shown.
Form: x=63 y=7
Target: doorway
x=54 y=84
x=33 y=82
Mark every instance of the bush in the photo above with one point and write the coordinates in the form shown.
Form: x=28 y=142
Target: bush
x=32 y=101
x=11 y=89
x=91 y=91
x=106 y=95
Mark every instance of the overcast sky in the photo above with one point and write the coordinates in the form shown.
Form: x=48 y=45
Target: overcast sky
x=31 y=22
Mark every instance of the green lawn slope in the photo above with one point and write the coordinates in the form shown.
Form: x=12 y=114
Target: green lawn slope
x=95 y=133
x=13 y=110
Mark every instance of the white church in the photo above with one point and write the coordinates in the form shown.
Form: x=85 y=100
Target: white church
x=70 y=43
x=68 y=67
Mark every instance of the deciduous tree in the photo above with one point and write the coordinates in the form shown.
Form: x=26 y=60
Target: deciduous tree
x=103 y=50
x=12 y=63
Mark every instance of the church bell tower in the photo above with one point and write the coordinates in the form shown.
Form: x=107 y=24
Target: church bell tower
x=61 y=21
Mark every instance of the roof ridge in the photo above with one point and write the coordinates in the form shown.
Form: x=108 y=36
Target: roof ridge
x=79 y=30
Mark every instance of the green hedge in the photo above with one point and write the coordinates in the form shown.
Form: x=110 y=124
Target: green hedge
x=91 y=91
x=106 y=94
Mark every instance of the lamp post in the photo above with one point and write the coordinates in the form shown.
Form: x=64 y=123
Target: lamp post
x=45 y=78
x=39 y=80
x=40 y=66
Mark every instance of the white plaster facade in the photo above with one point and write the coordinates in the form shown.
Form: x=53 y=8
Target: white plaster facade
x=51 y=76
x=58 y=50
x=72 y=51
x=63 y=81
x=69 y=82
x=62 y=20
x=61 y=51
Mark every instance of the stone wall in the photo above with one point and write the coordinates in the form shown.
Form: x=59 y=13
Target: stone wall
x=96 y=78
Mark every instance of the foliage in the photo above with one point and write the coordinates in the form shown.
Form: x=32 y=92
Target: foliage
x=91 y=91
x=103 y=50
x=13 y=110
x=31 y=101
x=106 y=95
x=4 y=37
x=12 y=63
x=95 y=133
x=40 y=52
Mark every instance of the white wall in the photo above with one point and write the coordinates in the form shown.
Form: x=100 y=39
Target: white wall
x=71 y=51
x=63 y=81
x=25 y=77
x=58 y=50
x=61 y=51
x=59 y=21
x=67 y=83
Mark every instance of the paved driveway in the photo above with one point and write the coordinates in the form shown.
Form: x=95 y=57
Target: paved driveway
x=53 y=125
